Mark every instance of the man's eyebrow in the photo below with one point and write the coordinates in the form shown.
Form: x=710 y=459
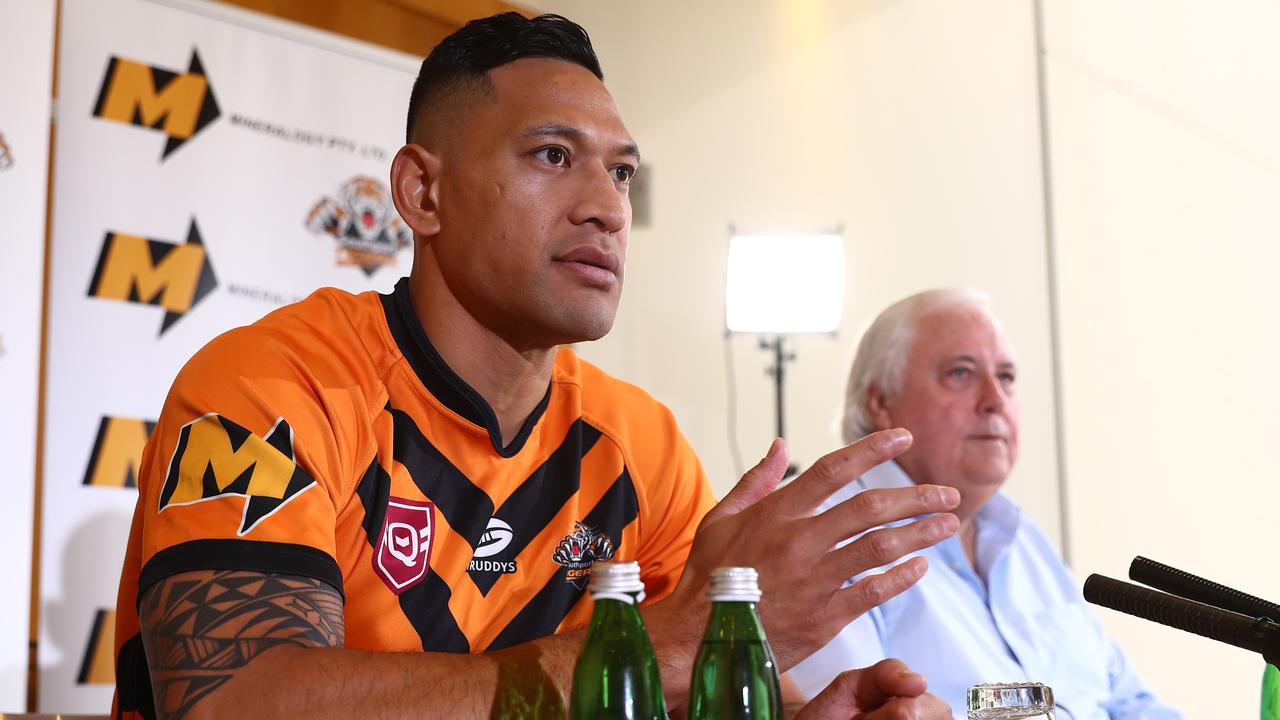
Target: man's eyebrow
x=972 y=360
x=576 y=134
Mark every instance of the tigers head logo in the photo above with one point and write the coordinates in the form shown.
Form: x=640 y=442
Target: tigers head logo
x=582 y=548
x=6 y=156
x=364 y=223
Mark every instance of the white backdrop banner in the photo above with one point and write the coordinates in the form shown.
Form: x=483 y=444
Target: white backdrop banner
x=26 y=75
x=211 y=165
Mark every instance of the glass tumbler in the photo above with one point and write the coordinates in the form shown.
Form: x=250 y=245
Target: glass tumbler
x=1011 y=701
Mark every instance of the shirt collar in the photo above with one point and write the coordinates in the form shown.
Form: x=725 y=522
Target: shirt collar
x=441 y=381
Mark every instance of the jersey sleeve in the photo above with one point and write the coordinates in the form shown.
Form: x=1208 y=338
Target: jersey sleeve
x=677 y=495
x=247 y=467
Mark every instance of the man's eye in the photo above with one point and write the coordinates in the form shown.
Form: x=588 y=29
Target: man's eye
x=959 y=372
x=1007 y=378
x=624 y=173
x=554 y=155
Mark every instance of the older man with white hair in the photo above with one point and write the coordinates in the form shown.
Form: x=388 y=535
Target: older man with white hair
x=997 y=603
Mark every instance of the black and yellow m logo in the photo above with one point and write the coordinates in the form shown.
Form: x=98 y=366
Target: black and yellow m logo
x=178 y=104
x=117 y=452
x=216 y=458
x=146 y=271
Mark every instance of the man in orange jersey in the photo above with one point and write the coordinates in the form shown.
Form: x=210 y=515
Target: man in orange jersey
x=389 y=505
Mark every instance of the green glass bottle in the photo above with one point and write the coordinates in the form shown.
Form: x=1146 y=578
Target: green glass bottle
x=1270 y=693
x=617 y=677
x=734 y=675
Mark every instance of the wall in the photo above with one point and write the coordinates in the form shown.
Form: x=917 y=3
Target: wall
x=912 y=123
x=24 y=161
x=1166 y=170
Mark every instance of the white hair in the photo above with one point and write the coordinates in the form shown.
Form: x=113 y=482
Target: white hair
x=882 y=353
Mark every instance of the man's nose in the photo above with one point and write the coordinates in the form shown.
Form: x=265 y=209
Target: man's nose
x=602 y=202
x=991 y=398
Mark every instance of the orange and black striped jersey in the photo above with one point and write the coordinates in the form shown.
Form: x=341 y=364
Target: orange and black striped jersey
x=330 y=440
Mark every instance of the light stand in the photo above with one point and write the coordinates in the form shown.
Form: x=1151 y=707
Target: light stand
x=777 y=371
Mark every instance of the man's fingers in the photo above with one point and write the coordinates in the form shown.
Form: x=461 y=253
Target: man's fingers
x=888 y=689
x=885 y=681
x=923 y=707
x=887 y=545
x=755 y=484
x=874 y=590
x=892 y=678
x=837 y=700
x=837 y=469
x=881 y=506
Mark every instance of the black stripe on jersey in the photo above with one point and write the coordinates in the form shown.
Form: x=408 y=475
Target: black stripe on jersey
x=540 y=497
x=466 y=507
x=441 y=381
x=374 y=491
x=250 y=555
x=426 y=605
x=544 y=613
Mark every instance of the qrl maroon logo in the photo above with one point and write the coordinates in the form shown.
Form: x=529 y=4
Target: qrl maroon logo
x=404 y=549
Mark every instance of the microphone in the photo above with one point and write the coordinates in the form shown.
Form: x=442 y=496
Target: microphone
x=1184 y=584
x=1259 y=635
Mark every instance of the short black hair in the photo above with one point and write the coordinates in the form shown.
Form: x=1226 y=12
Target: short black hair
x=463 y=58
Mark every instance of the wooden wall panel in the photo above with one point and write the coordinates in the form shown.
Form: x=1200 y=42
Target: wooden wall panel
x=412 y=26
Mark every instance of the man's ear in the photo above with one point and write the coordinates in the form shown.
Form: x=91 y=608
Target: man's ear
x=415 y=189
x=878 y=409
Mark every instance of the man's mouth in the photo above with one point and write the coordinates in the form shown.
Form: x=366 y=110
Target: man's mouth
x=989 y=437
x=592 y=263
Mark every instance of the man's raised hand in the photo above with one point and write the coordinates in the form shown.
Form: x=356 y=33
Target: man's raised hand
x=779 y=532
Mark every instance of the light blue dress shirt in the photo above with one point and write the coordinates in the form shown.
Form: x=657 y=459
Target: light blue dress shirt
x=1028 y=621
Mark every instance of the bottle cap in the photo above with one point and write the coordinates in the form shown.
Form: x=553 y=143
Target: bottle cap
x=617 y=581
x=735 y=584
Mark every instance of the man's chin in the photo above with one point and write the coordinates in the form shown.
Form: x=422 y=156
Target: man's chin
x=589 y=334
x=583 y=328
x=992 y=476
x=987 y=472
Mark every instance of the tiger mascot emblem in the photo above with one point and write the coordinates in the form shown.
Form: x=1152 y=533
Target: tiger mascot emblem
x=364 y=223
x=6 y=157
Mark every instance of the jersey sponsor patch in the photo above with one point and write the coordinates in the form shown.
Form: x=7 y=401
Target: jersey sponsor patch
x=404 y=547
x=216 y=458
x=505 y=567
x=581 y=549
x=497 y=536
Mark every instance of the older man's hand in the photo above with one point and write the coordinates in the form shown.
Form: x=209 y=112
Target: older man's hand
x=887 y=690
x=802 y=573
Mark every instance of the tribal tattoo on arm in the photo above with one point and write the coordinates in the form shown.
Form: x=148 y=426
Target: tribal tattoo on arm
x=199 y=628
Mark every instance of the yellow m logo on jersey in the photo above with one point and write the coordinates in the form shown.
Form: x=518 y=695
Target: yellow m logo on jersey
x=217 y=458
x=174 y=276
x=178 y=104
